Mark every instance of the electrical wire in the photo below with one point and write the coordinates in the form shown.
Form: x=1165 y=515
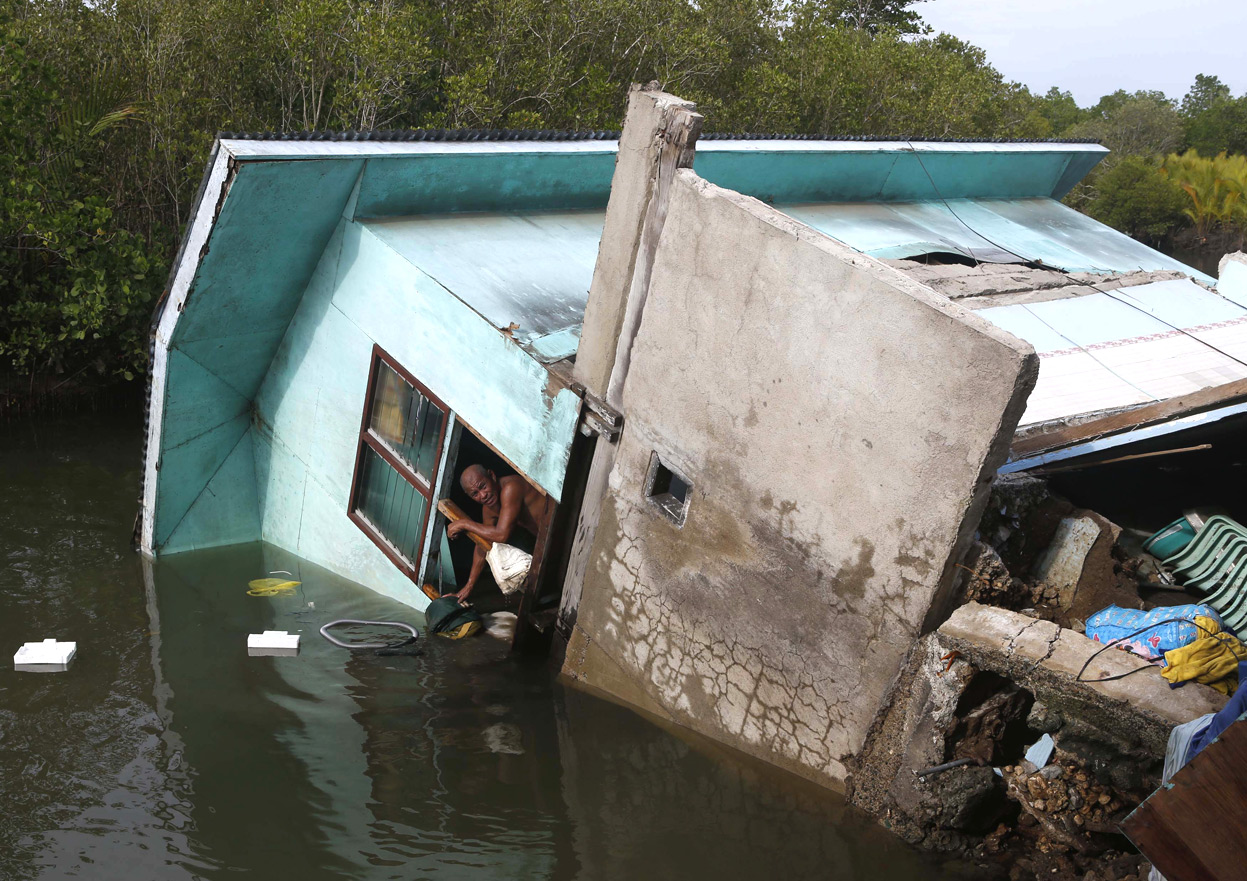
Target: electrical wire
x=1217 y=635
x=1180 y=330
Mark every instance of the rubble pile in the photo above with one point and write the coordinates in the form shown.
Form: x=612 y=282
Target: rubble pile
x=990 y=582
x=1040 y=555
x=1020 y=674
x=1067 y=826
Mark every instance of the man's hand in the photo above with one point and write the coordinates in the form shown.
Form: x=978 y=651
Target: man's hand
x=456 y=529
x=462 y=595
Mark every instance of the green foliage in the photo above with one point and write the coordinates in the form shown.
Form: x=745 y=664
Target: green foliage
x=1136 y=197
x=1217 y=188
x=1139 y=124
x=75 y=287
x=1215 y=120
x=108 y=109
x=1060 y=111
x=825 y=78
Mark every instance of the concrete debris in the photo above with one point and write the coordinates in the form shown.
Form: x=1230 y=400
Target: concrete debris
x=1061 y=566
x=989 y=581
x=1002 y=284
x=988 y=684
x=1044 y=719
x=1044 y=554
x=1041 y=751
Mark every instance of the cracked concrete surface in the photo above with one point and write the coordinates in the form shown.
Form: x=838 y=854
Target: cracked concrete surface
x=839 y=424
x=1030 y=645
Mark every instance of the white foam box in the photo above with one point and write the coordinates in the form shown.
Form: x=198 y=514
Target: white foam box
x=273 y=644
x=48 y=656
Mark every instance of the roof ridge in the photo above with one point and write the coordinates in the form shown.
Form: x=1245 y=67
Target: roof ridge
x=469 y=135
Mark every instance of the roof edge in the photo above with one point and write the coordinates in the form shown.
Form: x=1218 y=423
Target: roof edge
x=474 y=135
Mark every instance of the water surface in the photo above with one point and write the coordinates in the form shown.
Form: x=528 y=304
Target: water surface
x=167 y=753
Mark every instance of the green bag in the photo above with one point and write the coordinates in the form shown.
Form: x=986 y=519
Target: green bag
x=446 y=617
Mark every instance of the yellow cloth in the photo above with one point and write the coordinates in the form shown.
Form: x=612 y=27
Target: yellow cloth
x=1211 y=659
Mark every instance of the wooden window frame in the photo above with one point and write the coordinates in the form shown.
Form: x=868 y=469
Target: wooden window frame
x=368 y=439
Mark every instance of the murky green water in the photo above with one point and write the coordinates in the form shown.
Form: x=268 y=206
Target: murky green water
x=166 y=752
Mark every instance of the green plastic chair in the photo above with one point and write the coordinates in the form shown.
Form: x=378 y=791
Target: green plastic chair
x=1196 y=548
x=1171 y=539
x=1209 y=545
x=1208 y=559
x=1214 y=530
x=1234 y=616
x=1209 y=572
x=1234 y=582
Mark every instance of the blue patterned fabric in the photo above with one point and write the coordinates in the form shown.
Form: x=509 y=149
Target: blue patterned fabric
x=1172 y=627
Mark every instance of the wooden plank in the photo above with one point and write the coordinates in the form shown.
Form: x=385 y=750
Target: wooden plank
x=525 y=635
x=1194 y=828
x=453 y=512
x=1139 y=417
x=1084 y=463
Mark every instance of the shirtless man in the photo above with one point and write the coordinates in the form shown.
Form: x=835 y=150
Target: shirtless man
x=505 y=504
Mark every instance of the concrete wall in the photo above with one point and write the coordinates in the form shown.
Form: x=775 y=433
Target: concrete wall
x=308 y=410
x=840 y=425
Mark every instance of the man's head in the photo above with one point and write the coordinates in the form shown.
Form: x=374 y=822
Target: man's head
x=481 y=484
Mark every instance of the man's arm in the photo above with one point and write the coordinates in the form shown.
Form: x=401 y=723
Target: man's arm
x=478 y=559
x=512 y=498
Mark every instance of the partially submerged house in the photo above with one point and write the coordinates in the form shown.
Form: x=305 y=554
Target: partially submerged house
x=767 y=381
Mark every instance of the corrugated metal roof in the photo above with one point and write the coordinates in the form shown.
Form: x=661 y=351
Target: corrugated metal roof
x=990 y=230
x=526 y=271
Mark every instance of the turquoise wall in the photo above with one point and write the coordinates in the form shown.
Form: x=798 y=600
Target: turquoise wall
x=248 y=285
x=308 y=410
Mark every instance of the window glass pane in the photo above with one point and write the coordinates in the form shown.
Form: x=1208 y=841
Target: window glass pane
x=393 y=506
x=408 y=422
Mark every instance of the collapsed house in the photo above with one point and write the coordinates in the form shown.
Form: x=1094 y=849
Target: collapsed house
x=768 y=384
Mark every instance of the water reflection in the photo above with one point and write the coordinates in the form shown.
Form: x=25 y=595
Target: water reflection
x=166 y=752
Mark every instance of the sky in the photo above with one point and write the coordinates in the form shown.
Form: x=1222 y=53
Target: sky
x=1094 y=47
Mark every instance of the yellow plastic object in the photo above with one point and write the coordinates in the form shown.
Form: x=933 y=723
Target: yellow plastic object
x=462 y=630
x=271 y=587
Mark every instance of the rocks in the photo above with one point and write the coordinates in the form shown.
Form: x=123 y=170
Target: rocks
x=1071 y=811
x=1042 y=554
x=1044 y=719
x=990 y=582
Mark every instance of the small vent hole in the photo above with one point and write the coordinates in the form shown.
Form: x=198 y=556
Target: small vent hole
x=668 y=490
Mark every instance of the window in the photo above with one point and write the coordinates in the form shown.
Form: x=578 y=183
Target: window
x=400 y=446
x=668 y=490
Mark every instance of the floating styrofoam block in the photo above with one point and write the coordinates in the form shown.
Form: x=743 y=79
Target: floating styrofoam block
x=272 y=643
x=48 y=656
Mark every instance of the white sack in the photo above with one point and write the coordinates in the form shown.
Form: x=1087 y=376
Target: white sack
x=510 y=566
